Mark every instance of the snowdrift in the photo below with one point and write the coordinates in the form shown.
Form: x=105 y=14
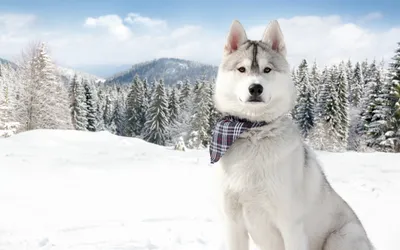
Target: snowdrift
x=81 y=190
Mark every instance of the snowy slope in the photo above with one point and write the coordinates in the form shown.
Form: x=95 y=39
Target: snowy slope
x=81 y=190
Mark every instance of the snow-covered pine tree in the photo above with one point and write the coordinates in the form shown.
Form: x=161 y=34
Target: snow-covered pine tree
x=380 y=113
x=392 y=135
x=214 y=114
x=118 y=116
x=173 y=106
x=145 y=88
x=63 y=117
x=101 y=104
x=315 y=80
x=343 y=101
x=71 y=89
x=156 y=126
x=356 y=86
x=296 y=83
x=78 y=104
x=321 y=97
x=305 y=102
x=90 y=106
x=366 y=73
x=42 y=99
x=108 y=112
x=185 y=93
x=5 y=107
x=199 y=136
x=147 y=91
x=182 y=126
x=349 y=74
x=325 y=135
x=368 y=102
x=136 y=108
x=357 y=81
x=10 y=83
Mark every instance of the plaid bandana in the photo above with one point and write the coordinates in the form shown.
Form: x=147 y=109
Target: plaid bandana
x=226 y=131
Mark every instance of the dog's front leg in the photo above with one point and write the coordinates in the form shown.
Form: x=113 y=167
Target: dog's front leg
x=236 y=234
x=294 y=236
x=290 y=221
x=237 y=237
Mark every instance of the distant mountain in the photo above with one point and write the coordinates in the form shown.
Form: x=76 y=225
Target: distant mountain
x=103 y=70
x=171 y=70
x=67 y=74
x=4 y=61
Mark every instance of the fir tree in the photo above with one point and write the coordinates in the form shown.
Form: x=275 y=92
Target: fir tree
x=321 y=94
x=306 y=101
x=101 y=103
x=43 y=99
x=201 y=119
x=184 y=93
x=214 y=114
x=366 y=73
x=315 y=80
x=393 y=132
x=173 y=106
x=180 y=130
x=295 y=80
x=156 y=126
x=136 y=108
x=370 y=95
x=356 y=86
x=380 y=113
x=343 y=107
x=325 y=135
x=108 y=112
x=118 y=118
x=8 y=127
x=78 y=104
x=90 y=106
x=349 y=75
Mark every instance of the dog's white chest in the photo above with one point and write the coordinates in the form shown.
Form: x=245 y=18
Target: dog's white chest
x=251 y=182
x=251 y=171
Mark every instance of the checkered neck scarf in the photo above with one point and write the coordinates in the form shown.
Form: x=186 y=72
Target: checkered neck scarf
x=226 y=131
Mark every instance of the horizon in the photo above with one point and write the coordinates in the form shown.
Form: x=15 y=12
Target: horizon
x=99 y=37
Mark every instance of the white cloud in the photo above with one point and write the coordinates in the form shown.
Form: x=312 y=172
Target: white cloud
x=330 y=39
x=113 y=23
x=110 y=40
x=134 y=18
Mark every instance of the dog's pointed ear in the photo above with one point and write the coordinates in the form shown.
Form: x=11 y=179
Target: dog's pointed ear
x=274 y=37
x=236 y=37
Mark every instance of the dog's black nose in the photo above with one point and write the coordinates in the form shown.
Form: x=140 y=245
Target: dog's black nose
x=256 y=90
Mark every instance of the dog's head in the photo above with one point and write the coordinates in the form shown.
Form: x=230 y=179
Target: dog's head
x=254 y=80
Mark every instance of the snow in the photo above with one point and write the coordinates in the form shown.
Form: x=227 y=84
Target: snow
x=69 y=74
x=94 y=190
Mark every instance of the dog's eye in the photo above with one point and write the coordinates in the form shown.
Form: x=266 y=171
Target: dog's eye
x=267 y=70
x=242 y=69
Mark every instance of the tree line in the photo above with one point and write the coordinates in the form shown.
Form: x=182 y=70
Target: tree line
x=340 y=107
x=349 y=107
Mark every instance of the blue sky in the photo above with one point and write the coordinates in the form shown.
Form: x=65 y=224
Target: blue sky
x=78 y=31
x=207 y=12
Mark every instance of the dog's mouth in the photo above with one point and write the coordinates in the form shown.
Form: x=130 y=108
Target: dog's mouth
x=255 y=99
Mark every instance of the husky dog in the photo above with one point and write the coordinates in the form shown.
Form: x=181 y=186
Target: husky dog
x=273 y=189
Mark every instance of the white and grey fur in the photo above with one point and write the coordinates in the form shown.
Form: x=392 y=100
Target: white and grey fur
x=272 y=187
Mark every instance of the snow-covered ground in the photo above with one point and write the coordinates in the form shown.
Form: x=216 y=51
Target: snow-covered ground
x=80 y=190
